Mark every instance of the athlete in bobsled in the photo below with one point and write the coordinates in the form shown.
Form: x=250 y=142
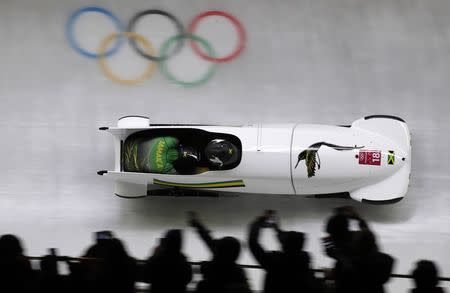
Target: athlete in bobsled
x=166 y=155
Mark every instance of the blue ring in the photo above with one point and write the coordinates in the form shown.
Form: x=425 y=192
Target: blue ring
x=70 y=32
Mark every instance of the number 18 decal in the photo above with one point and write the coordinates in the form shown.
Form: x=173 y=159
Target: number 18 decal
x=370 y=158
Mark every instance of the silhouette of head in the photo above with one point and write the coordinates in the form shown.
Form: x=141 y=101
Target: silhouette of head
x=10 y=246
x=227 y=249
x=172 y=241
x=425 y=274
x=292 y=241
x=337 y=226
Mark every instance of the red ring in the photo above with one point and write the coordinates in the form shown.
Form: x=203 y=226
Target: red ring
x=236 y=23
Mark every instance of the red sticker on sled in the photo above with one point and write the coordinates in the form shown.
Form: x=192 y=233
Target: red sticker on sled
x=370 y=158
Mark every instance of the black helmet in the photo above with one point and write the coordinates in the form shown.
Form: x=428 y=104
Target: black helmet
x=221 y=153
x=189 y=154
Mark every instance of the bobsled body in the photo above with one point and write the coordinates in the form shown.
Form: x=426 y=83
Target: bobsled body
x=370 y=159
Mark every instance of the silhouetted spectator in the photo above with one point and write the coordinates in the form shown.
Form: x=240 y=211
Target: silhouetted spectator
x=121 y=268
x=168 y=270
x=372 y=269
x=106 y=267
x=340 y=238
x=16 y=274
x=425 y=277
x=287 y=270
x=221 y=274
x=93 y=271
x=340 y=245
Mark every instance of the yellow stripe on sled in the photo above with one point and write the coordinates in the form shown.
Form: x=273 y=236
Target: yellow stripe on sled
x=223 y=184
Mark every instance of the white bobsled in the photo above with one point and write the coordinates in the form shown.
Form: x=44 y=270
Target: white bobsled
x=369 y=159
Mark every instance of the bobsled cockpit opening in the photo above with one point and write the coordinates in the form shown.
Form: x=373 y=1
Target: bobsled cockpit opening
x=180 y=151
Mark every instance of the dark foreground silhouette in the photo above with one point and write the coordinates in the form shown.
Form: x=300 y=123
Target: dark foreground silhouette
x=106 y=266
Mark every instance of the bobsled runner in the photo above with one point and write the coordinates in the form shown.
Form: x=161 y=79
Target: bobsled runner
x=369 y=160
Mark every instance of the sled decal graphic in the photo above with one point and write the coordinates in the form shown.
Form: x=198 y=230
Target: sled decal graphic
x=312 y=159
x=370 y=158
x=223 y=184
x=391 y=158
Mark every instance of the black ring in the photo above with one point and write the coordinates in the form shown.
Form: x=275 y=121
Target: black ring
x=178 y=24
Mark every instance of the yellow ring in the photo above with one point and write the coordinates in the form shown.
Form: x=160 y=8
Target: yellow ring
x=102 y=52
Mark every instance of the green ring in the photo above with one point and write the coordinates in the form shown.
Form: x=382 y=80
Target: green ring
x=165 y=70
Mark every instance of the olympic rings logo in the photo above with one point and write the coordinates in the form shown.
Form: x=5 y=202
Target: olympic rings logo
x=114 y=41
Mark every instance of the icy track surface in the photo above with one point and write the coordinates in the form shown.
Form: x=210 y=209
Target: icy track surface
x=320 y=61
